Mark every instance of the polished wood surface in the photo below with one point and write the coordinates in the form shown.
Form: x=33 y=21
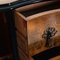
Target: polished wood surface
x=31 y=28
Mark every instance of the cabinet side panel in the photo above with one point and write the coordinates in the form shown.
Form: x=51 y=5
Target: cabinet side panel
x=21 y=31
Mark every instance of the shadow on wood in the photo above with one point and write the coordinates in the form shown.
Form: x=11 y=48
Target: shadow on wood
x=47 y=54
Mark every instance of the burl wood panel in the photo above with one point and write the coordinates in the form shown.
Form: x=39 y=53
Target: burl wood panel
x=36 y=28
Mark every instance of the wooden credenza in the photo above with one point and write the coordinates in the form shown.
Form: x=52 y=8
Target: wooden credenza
x=30 y=24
